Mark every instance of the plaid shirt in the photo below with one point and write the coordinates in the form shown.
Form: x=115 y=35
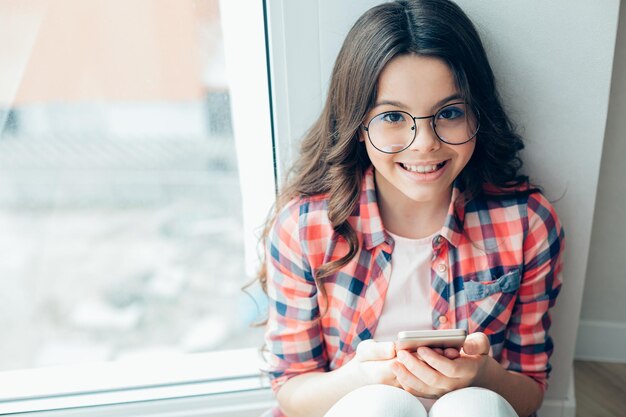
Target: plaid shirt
x=496 y=267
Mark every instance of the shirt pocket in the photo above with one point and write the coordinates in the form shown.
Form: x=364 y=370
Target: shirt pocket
x=490 y=303
x=507 y=283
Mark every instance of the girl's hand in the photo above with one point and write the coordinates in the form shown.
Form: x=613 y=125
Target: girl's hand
x=373 y=363
x=430 y=374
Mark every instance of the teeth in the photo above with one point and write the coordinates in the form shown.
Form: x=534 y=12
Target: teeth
x=422 y=169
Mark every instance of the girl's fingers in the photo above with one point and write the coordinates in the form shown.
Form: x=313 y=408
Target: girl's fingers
x=451 y=353
x=419 y=368
x=439 y=363
x=410 y=382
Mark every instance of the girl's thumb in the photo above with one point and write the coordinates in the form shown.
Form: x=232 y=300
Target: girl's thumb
x=476 y=344
x=370 y=350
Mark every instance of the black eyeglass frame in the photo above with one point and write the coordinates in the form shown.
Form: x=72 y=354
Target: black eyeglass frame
x=433 y=125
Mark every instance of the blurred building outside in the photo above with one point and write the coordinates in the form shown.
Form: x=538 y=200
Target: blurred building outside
x=119 y=198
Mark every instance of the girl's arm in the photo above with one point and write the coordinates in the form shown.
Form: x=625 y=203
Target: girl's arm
x=312 y=394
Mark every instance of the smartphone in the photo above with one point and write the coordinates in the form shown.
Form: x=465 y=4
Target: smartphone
x=411 y=340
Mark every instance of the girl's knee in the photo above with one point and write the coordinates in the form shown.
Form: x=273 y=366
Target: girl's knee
x=472 y=402
x=376 y=401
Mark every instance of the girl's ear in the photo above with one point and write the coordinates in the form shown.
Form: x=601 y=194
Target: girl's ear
x=362 y=133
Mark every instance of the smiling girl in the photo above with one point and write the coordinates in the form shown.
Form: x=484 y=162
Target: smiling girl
x=406 y=210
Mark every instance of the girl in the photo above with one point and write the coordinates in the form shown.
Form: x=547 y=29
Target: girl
x=406 y=210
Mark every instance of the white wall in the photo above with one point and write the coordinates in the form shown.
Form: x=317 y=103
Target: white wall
x=602 y=334
x=553 y=61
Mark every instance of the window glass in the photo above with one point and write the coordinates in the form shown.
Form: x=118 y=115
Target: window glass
x=120 y=201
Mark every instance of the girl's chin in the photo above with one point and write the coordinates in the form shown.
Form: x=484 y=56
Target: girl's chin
x=426 y=197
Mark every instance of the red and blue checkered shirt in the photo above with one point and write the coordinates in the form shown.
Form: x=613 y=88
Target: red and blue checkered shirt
x=496 y=267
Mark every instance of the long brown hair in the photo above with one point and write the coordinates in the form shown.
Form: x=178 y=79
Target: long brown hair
x=332 y=161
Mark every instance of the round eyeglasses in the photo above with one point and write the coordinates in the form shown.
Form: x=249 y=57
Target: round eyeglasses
x=394 y=131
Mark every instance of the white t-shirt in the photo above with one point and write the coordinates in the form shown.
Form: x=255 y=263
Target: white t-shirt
x=407 y=303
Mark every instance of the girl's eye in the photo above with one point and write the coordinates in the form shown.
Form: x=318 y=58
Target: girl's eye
x=392 y=117
x=450 y=113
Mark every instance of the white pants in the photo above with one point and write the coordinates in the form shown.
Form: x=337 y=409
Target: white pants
x=387 y=401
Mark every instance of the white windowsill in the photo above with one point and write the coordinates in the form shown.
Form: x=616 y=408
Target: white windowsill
x=149 y=379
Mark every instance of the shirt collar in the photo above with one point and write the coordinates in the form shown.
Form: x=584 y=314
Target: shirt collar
x=453 y=225
x=369 y=216
x=371 y=224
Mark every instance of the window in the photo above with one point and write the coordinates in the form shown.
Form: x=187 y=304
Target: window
x=130 y=195
x=123 y=230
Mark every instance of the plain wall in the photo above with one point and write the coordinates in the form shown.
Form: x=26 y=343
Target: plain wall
x=603 y=316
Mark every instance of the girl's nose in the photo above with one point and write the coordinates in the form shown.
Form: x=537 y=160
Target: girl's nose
x=426 y=139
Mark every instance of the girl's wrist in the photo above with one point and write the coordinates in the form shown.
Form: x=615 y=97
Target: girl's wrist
x=487 y=373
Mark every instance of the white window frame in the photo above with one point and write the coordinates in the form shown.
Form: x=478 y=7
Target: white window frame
x=227 y=381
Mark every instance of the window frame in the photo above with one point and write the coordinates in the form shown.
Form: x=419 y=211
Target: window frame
x=94 y=386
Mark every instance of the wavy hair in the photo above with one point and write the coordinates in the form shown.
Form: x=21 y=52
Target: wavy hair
x=332 y=161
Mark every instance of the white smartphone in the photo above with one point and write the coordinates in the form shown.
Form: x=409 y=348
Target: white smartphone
x=411 y=340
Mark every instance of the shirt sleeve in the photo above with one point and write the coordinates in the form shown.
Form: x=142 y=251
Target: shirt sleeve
x=293 y=333
x=528 y=345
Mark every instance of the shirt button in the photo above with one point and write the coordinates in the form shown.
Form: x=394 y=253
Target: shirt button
x=442 y=267
x=443 y=319
x=438 y=240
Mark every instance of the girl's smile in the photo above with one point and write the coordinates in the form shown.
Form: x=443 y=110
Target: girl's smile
x=428 y=171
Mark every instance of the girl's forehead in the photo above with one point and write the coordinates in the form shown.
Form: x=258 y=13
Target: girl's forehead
x=419 y=82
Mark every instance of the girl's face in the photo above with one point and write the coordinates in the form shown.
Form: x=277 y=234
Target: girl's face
x=420 y=86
